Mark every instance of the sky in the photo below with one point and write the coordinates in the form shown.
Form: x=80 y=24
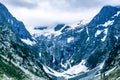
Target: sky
x=50 y=12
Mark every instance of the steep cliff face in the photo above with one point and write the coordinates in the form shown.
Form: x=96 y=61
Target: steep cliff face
x=17 y=26
x=17 y=60
x=104 y=15
x=104 y=36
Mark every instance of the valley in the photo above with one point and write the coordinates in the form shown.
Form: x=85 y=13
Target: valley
x=85 y=50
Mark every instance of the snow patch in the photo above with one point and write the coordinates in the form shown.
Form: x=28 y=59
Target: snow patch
x=116 y=14
x=12 y=22
x=63 y=65
x=108 y=23
x=47 y=32
x=77 y=69
x=8 y=20
x=70 y=39
x=28 y=41
x=40 y=54
x=50 y=30
x=116 y=37
x=75 y=24
x=84 y=22
x=53 y=59
x=80 y=30
x=88 y=39
x=102 y=64
x=105 y=32
x=66 y=64
x=87 y=31
x=98 y=32
x=70 y=72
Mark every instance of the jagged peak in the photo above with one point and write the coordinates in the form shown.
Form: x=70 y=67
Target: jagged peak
x=104 y=15
x=109 y=7
x=17 y=26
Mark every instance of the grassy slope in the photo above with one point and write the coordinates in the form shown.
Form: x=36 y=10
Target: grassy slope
x=11 y=71
x=114 y=75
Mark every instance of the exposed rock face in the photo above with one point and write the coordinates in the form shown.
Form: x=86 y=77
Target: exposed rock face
x=17 y=26
x=91 y=42
x=17 y=60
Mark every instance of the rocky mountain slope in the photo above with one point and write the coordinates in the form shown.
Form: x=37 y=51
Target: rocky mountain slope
x=92 y=43
x=17 y=26
x=17 y=60
x=65 y=52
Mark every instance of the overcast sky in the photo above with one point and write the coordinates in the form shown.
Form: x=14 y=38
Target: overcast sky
x=48 y=12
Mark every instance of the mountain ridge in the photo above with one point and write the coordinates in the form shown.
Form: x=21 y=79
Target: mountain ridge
x=17 y=59
x=91 y=42
x=82 y=52
x=17 y=26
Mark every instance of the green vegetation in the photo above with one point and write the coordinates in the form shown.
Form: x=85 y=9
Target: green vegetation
x=114 y=75
x=11 y=71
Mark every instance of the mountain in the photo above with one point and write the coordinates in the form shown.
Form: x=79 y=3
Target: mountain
x=17 y=26
x=82 y=49
x=104 y=15
x=17 y=59
x=77 y=51
x=55 y=30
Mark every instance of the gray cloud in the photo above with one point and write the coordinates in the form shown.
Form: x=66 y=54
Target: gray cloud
x=77 y=3
x=21 y=3
x=69 y=5
x=45 y=12
x=86 y=3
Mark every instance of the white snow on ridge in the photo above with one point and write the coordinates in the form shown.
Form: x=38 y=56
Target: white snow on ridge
x=116 y=14
x=78 y=23
x=46 y=32
x=73 y=25
x=98 y=32
x=50 y=30
x=105 y=32
x=28 y=41
x=108 y=23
